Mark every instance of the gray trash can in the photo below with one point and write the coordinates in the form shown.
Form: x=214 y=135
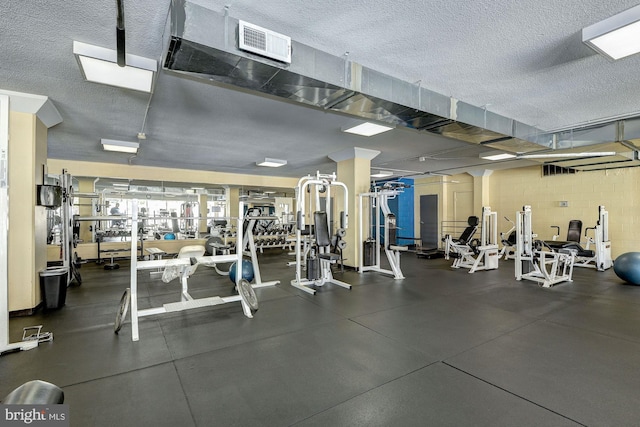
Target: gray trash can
x=53 y=285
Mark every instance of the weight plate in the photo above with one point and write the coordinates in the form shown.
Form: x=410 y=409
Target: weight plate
x=122 y=310
x=248 y=295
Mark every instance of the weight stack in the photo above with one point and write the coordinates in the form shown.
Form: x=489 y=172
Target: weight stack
x=313 y=268
x=369 y=252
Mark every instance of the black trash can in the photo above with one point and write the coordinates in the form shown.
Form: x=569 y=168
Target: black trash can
x=53 y=285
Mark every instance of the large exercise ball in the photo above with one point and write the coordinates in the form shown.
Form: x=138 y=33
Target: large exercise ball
x=627 y=267
x=169 y=236
x=247 y=271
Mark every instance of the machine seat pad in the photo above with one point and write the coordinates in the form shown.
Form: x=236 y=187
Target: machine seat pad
x=329 y=256
x=580 y=251
x=36 y=392
x=399 y=248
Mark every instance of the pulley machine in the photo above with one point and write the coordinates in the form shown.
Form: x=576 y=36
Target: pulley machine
x=379 y=204
x=318 y=263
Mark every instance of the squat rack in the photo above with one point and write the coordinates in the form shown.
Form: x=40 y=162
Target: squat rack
x=187 y=301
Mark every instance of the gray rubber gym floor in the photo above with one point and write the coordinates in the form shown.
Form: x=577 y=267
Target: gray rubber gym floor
x=439 y=348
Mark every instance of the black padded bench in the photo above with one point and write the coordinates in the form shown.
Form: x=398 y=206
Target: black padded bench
x=580 y=251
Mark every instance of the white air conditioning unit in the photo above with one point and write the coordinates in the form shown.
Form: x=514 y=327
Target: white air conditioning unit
x=264 y=42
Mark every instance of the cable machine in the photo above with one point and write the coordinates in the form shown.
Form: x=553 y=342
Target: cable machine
x=320 y=258
x=379 y=204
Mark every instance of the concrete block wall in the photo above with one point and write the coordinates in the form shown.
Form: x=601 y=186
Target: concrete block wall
x=616 y=189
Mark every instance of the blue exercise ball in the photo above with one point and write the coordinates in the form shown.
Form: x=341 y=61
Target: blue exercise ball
x=247 y=271
x=627 y=267
x=169 y=236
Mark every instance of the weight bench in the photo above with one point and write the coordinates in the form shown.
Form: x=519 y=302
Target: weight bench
x=36 y=392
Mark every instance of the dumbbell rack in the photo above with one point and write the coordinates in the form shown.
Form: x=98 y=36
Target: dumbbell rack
x=273 y=239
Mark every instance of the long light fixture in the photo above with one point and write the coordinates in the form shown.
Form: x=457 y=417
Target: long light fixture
x=617 y=36
x=99 y=65
x=494 y=155
x=272 y=163
x=367 y=129
x=120 y=146
x=382 y=174
x=566 y=155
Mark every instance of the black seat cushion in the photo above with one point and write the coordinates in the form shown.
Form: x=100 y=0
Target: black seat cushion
x=329 y=256
x=581 y=252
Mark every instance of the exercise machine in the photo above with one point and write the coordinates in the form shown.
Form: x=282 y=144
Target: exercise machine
x=69 y=238
x=535 y=260
x=320 y=257
x=600 y=256
x=508 y=240
x=476 y=254
x=379 y=204
x=183 y=268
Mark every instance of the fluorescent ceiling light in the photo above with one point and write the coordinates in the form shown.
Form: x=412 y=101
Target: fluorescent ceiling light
x=615 y=37
x=367 y=129
x=382 y=174
x=120 y=146
x=492 y=155
x=99 y=65
x=567 y=155
x=272 y=163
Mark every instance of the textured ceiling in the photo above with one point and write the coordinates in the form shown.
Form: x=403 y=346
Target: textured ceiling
x=522 y=60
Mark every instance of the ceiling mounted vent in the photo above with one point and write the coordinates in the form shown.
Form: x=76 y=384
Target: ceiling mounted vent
x=264 y=42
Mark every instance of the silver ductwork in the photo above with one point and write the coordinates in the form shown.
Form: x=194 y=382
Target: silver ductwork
x=204 y=45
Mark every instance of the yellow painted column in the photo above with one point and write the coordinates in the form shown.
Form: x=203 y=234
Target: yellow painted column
x=233 y=198
x=28 y=222
x=354 y=170
x=480 y=189
x=204 y=213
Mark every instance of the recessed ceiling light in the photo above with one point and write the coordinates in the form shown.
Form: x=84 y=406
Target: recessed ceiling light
x=382 y=174
x=617 y=36
x=99 y=65
x=272 y=163
x=492 y=155
x=120 y=146
x=367 y=129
